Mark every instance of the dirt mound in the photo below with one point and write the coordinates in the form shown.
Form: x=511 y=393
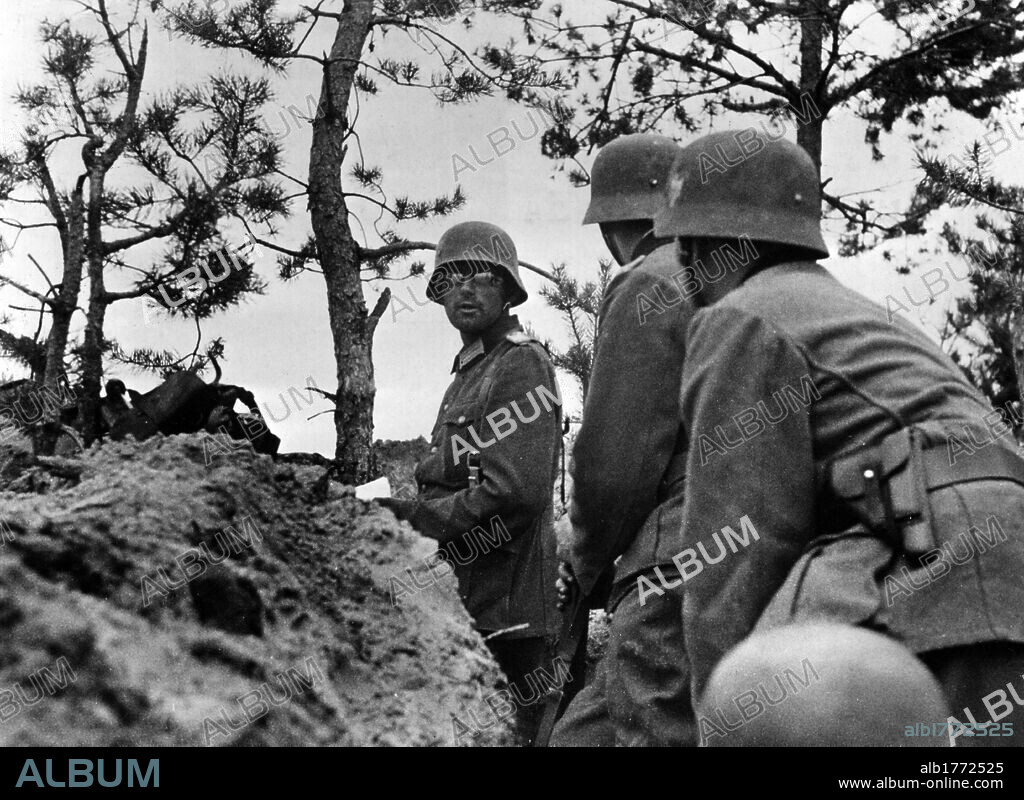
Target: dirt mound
x=173 y=593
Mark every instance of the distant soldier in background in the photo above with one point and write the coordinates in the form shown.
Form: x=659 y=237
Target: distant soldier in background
x=486 y=489
x=628 y=465
x=883 y=489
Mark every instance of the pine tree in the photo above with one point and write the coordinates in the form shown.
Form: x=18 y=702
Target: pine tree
x=167 y=172
x=579 y=306
x=989 y=321
x=352 y=72
x=676 y=66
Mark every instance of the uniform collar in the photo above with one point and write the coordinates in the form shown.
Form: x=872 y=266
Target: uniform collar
x=484 y=344
x=636 y=262
x=767 y=273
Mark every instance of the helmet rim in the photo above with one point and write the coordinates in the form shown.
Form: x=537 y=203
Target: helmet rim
x=629 y=178
x=480 y=243
x=770 y=194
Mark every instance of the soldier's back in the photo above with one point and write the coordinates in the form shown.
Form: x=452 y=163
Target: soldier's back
x=874 y=372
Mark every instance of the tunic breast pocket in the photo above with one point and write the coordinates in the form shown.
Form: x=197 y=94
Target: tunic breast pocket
x=456 y=440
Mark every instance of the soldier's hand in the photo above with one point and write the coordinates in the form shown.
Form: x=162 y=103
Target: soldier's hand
x=566 y=585
x=402 y=509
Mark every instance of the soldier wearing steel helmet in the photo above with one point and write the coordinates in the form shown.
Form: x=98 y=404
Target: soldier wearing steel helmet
x=492 y=465
x=876 y=486
x=627 y=465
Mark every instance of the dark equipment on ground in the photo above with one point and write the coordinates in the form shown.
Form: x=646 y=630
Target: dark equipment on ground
x=184 y=403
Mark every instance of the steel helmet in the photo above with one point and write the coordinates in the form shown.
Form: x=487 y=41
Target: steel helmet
x=844 y=686
x=629 y=177
x=738 y=183
x=475 y=243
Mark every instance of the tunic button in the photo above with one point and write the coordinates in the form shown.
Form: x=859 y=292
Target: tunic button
x=433 y=449
x=446 y=406
x=461 y=420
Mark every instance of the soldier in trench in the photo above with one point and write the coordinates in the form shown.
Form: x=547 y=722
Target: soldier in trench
x=492 y=466
x=857 y=494
x=627 y=466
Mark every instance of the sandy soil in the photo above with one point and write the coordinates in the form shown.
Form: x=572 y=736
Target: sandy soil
x=118 y=627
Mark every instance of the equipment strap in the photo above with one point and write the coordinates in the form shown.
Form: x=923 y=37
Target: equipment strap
x=887 y=486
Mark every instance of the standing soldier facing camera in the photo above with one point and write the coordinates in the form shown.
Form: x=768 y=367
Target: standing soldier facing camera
x=627 y=465
x=874 y=485
x=486 y=489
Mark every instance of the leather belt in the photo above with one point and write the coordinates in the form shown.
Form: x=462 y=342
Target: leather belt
x=993 y=463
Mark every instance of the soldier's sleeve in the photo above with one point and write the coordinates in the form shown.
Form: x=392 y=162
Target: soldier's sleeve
x=750 y=504
x=517 y=469
x=630 y=425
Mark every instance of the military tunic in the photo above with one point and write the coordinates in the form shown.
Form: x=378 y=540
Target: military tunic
x=782 y=375
x=627 y=469
x=629 y=454
x=498 y=536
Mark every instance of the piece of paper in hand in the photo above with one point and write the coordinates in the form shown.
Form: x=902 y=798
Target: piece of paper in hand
x=374 y=489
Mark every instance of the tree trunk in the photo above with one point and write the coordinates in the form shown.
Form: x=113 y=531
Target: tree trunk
x=92 y=360
x=808 y=133
x=67 y=298
x=351 y=328
x=63 y=309
x=92 y=347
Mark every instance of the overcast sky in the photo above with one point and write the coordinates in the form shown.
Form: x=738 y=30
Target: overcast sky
x=275 y=342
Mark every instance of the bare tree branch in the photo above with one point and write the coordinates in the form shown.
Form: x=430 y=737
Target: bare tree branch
x=378 y=311
x=786 y=87
x=406 y=247
x=33 y=294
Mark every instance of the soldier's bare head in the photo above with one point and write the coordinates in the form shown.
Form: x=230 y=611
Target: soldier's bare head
x=115 y=388
x=820 y=684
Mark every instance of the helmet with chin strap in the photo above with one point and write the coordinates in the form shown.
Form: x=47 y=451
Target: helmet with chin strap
x=475 y=243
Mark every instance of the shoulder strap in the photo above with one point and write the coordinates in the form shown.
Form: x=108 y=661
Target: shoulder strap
x=488 y=380
x=636 y=262
x=518 y=339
